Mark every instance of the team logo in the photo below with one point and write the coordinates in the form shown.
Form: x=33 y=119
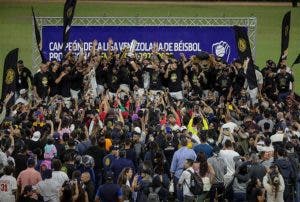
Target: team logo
x=107 y=162
x=10 y=76
x=195 y=79
x=242 y=44
x=45 y=81
x=221 y=49
x=114 y=79
x=70 y=11
x=173 y=77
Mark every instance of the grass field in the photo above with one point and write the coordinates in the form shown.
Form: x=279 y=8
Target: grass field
x=15 y=23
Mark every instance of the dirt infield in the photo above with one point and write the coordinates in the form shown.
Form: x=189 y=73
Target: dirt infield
x=204 y=3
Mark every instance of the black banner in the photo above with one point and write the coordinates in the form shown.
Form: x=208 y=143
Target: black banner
x=297 y=61
x=69 y=10
x=285 y=36
x=9 y=75
x=38 y=37
x=244 y=52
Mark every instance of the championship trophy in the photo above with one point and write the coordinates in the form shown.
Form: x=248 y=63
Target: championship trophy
x=132 y=48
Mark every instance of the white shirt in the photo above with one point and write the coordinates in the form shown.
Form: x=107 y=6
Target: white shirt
x=49 y=190
x=7 y=184
x=3 y=160
x=60 y=177
x=265 y=148
x=277 y=137
x=21 y=100
x=228 y=155
x=229 y=125
x=196 y=138
x=185 y=180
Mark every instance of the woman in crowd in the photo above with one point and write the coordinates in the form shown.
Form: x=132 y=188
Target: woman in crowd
x=73 y=191
x=207 y=174
x=274 y=185
x=124 y=180
x=255 y=191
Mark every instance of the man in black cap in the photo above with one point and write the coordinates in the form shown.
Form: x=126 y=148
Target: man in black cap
x=24 y=76
x=109 y=158
x=109 y=191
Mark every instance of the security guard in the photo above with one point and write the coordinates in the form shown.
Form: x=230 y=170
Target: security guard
x=109 y=158
x=120 y=163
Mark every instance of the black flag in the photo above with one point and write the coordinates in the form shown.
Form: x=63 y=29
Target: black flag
x=9 y=75
x=297 y=61
x=244 y=52
x=69 y=9
x=285 y=36
x=38 y=37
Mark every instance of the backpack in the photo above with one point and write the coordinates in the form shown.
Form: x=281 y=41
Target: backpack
x=153 y=195
x=196 y=185
x=50 y=152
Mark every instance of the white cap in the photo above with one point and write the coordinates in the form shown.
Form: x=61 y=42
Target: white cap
x=183 y=128
x=36 y=136
x=21 y=100
x=72 y=127
x=23 y=91
x=137 y=130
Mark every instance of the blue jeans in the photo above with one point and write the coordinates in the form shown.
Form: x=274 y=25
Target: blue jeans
x=239 y=197
x=179 y=191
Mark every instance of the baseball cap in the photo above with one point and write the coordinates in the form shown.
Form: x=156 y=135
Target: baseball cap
x=23 y=91
x=134 y=117
x=125 y=114
x=182 y=128
x=115 y=147
x=36 y=136
x=20 y=62
x=109 y=175
x=137 y=130
x=168 y=129
x=56 y=136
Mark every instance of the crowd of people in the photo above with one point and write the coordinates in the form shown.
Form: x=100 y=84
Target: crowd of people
x=108 y=127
